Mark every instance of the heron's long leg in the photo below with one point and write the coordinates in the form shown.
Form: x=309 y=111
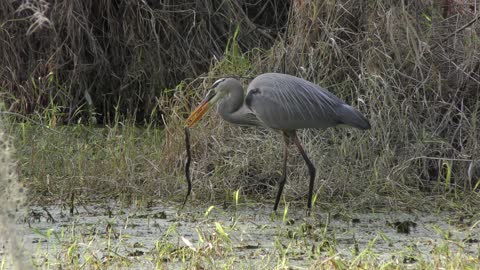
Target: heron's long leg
x=281 y=184
x=311 y=170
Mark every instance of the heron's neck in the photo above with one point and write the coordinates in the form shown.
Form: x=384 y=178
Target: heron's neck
x=232 y=108
x=232 y=102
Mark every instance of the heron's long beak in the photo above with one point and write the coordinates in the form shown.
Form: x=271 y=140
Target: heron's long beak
x=201 y=109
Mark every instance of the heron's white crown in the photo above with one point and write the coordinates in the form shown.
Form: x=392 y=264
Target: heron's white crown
x=217 y=82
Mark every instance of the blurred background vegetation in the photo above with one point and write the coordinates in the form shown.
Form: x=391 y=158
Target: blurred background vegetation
x=98 y=90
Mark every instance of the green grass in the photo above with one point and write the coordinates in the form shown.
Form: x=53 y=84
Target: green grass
x=113 y=161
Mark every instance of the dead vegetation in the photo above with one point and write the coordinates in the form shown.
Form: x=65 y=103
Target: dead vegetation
x=87 y=57
x=12 y=201
x=411 y=66
x=412 y=69
x=78 y=77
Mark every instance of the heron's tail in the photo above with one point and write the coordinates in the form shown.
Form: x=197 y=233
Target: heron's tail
x=350 y=116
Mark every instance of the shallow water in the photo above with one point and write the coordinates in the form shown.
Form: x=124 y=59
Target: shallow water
x=164 y=236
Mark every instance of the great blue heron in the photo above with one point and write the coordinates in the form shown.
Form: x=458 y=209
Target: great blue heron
x=281 y=102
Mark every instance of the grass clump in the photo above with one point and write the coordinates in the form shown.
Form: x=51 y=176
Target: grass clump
x=12 y=202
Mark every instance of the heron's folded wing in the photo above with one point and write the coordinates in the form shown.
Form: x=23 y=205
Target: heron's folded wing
x=287 y=102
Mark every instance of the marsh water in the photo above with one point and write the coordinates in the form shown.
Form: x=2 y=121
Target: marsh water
x=165 y=236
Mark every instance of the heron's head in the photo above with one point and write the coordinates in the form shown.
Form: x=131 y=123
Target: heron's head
x=218 y=90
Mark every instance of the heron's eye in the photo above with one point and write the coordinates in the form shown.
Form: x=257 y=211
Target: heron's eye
x=210 y=94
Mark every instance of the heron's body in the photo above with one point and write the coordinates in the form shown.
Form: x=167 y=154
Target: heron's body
x=286 y=102
x=282 y=102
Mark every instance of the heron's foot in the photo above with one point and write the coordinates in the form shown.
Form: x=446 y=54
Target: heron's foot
x=273 y=215
x=308 y=212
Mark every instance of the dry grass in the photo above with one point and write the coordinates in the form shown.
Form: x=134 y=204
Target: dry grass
x=419 y=90
x=422 y=100
x=87 y=57
x=119 y=65
x=12 y=200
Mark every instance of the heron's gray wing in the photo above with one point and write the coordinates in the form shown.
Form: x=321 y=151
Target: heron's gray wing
x=286 y=102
